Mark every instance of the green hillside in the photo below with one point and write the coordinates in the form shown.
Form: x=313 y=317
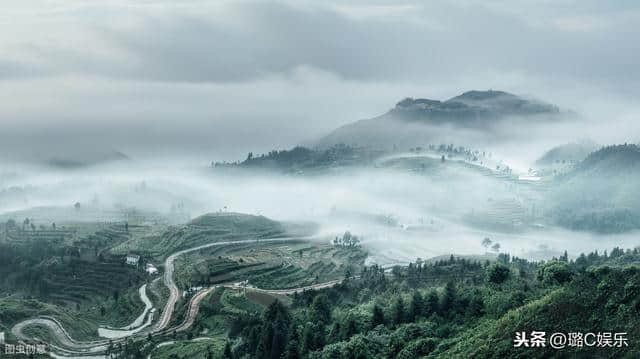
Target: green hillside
x=456 y=308
x=600 y=194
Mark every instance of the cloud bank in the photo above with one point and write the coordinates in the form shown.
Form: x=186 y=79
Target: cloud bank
x=217 y=79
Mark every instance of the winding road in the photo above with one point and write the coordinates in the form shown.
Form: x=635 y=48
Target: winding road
x=71 y=348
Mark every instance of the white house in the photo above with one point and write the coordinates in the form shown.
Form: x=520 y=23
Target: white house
x=133 y=259
x=151 y=269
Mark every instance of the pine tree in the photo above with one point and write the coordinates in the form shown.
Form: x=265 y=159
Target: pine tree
x=377 y=317
x=350 y=328
x=313 y=337
x=432 y=303
x=279 y=339
x=416 y=307
x=320 y=310
x=292 y=347
x=398 y=315
x=448 y=298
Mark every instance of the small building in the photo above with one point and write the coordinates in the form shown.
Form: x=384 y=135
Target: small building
x=133 y=259
x=151 y=269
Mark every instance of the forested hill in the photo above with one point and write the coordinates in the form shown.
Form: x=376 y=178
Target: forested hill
x=612 y=160
x=457 y=308
x=470 y=107
x=301 y=159
x=568 y=153
x=601 y=193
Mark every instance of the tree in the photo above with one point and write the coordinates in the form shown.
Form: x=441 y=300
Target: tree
x=475 y=307
x=565 y=256
x=335 y=332
x=431 y=303
x=347 y=273
x=496 y=247
x=447 y=304
x=397 y=311
x=555 y=272
x=377 y=316
x=227 y=354
x=76 y=206
x=292 y=350
x=312 y=337
x=350 y=328
x=279 y=338
x=498 y=273
x=320 y=310
x=416 y=307
x=486 y=242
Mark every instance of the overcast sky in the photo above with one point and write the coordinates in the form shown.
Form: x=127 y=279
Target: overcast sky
x=221 y=78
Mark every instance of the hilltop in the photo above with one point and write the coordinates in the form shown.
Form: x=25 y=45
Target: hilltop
x=414 y=120
x=302 y=160
x=209 y=228
x=625 y=158
x=470 y=107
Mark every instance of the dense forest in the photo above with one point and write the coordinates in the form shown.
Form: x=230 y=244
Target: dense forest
x=453 y=308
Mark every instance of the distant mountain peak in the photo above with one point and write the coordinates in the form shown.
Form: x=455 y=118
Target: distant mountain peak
x=472 y=105
x=86 y=158
x=478 y=96
x=476 y=109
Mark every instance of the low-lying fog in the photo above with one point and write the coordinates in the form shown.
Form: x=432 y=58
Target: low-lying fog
x=398 y=215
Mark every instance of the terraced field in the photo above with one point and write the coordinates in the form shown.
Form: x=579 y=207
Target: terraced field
x=261 y=253
x=216 y=227
x=83 y=281
x=268 y=265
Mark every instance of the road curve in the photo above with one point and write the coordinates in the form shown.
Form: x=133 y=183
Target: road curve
x=174 y=292
x=90 y=349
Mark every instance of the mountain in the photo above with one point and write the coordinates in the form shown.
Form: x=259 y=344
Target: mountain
x=568 y=153
x=612 y=160
x=84 y=159
x=413 y=121
x=470 y=107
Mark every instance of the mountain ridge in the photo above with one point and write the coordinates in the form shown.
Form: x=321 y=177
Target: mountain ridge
x=473 y=110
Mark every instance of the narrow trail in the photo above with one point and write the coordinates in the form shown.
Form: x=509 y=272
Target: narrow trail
x=70 y=348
